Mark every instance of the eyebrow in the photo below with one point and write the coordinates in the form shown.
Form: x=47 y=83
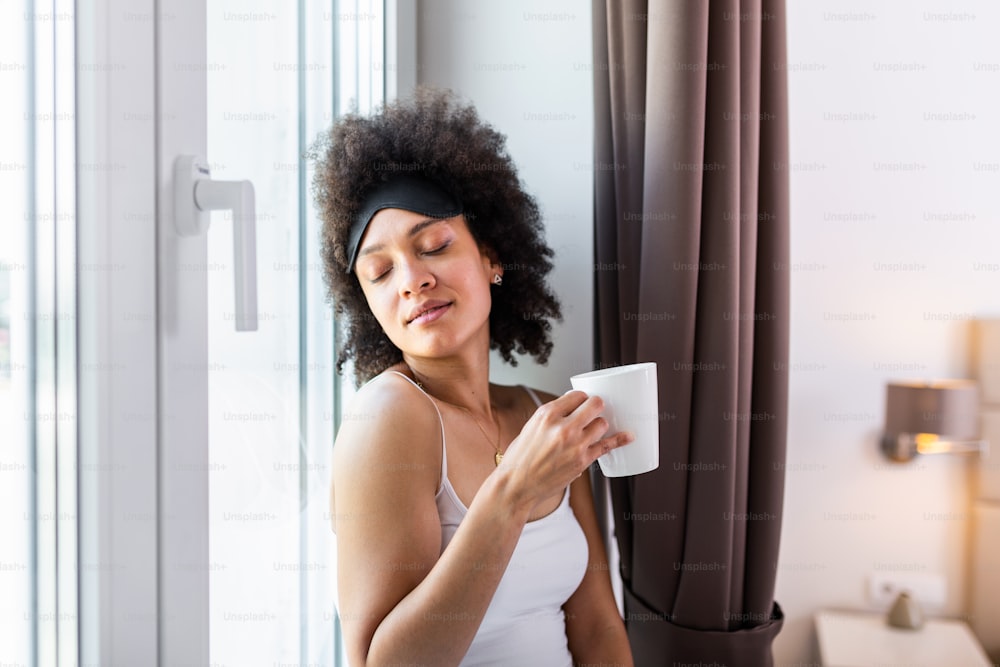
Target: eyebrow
x=416 y=229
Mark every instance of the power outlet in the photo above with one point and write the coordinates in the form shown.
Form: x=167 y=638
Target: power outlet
x=930 y=590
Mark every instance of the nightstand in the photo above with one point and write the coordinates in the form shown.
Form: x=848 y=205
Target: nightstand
x=859 y=639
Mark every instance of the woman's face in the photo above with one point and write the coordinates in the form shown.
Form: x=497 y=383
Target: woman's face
x=427 y=282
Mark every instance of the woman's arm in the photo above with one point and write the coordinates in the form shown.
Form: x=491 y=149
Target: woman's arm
x=401 y=599
x=594 y=627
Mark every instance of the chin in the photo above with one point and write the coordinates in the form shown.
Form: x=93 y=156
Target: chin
x=437 y=342
x=437 y=351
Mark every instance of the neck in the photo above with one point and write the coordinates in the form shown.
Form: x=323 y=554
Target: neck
x=463 y=381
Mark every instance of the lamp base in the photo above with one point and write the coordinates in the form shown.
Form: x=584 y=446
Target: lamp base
x=903 y=447
x=905 y=613
x=900 y=448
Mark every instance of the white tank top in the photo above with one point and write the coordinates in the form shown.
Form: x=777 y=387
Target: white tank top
x=524 y=625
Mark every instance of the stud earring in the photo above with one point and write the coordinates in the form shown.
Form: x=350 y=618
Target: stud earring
x=497 y=279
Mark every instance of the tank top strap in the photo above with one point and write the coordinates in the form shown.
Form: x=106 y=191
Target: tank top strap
x=444 y=450
x=534 y=396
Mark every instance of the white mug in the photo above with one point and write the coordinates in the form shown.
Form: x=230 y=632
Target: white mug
x=630 y=404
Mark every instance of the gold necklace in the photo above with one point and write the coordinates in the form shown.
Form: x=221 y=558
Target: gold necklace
x=498 y=457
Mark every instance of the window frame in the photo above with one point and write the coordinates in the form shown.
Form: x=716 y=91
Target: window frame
x=142 y=427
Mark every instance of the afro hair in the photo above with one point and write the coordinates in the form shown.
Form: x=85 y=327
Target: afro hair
x=434 y=135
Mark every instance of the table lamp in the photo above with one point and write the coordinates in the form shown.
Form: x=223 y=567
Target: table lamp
x=931 y=417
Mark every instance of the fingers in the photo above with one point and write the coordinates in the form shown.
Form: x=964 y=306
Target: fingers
x=614 y=441
x=596 y=429
x=568 y=402
x=578 y=406
x=579 y=424
x=584 y=412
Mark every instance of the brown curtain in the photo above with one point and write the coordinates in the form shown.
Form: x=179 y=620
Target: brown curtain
x=691 y=172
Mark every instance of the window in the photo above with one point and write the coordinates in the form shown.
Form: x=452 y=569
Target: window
x=278 y=74
x=38 y=552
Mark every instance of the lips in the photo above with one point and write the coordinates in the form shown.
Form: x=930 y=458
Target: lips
x=428 y=311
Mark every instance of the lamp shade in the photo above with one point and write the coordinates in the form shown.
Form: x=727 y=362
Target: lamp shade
x=943 y=407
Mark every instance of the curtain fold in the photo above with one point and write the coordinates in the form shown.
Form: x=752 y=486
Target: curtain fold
x=691 y=210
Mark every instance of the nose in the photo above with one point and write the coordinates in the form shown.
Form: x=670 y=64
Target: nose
x=416 y=277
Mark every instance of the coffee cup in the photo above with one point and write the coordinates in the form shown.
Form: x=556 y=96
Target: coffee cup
x=630 y=404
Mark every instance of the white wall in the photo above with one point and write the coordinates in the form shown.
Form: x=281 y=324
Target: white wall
x=526 y=67
x=895 y=247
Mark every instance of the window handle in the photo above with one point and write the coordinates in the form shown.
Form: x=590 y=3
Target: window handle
x=195 y=194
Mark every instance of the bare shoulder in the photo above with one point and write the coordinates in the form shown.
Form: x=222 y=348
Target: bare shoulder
x=390 y=436
x=387 y=404
x=520 y=398
x=386 y=466
x=544 y=396
x=530 y=392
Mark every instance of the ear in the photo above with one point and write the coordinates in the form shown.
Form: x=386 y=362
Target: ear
x=491 y=260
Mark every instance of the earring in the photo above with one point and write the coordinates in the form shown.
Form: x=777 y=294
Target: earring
x=497 y=279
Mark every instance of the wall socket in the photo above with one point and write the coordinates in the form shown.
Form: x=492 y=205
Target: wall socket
x=930 y=590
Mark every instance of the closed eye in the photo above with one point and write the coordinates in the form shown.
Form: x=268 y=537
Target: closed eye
x=380 y=276
x=433 y=251
x=438 y=250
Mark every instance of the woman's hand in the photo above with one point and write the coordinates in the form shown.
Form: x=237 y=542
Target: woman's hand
x=557 y=444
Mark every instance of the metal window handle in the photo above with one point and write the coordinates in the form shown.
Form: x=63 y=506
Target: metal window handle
x=195 y=194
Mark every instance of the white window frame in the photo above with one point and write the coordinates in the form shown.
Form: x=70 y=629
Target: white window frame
x=117 y=331
x=143 y=429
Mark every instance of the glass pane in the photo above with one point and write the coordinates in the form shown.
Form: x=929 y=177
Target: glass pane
x=16 y=488
x=253 y=391
x=271 y=393
x=38 y=553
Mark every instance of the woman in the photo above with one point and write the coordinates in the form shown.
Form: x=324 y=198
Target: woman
x=465 y=528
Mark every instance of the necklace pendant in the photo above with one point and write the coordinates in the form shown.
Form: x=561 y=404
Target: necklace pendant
x=498 y=457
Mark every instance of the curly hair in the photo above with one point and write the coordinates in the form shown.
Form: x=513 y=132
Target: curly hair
x=434 y=135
